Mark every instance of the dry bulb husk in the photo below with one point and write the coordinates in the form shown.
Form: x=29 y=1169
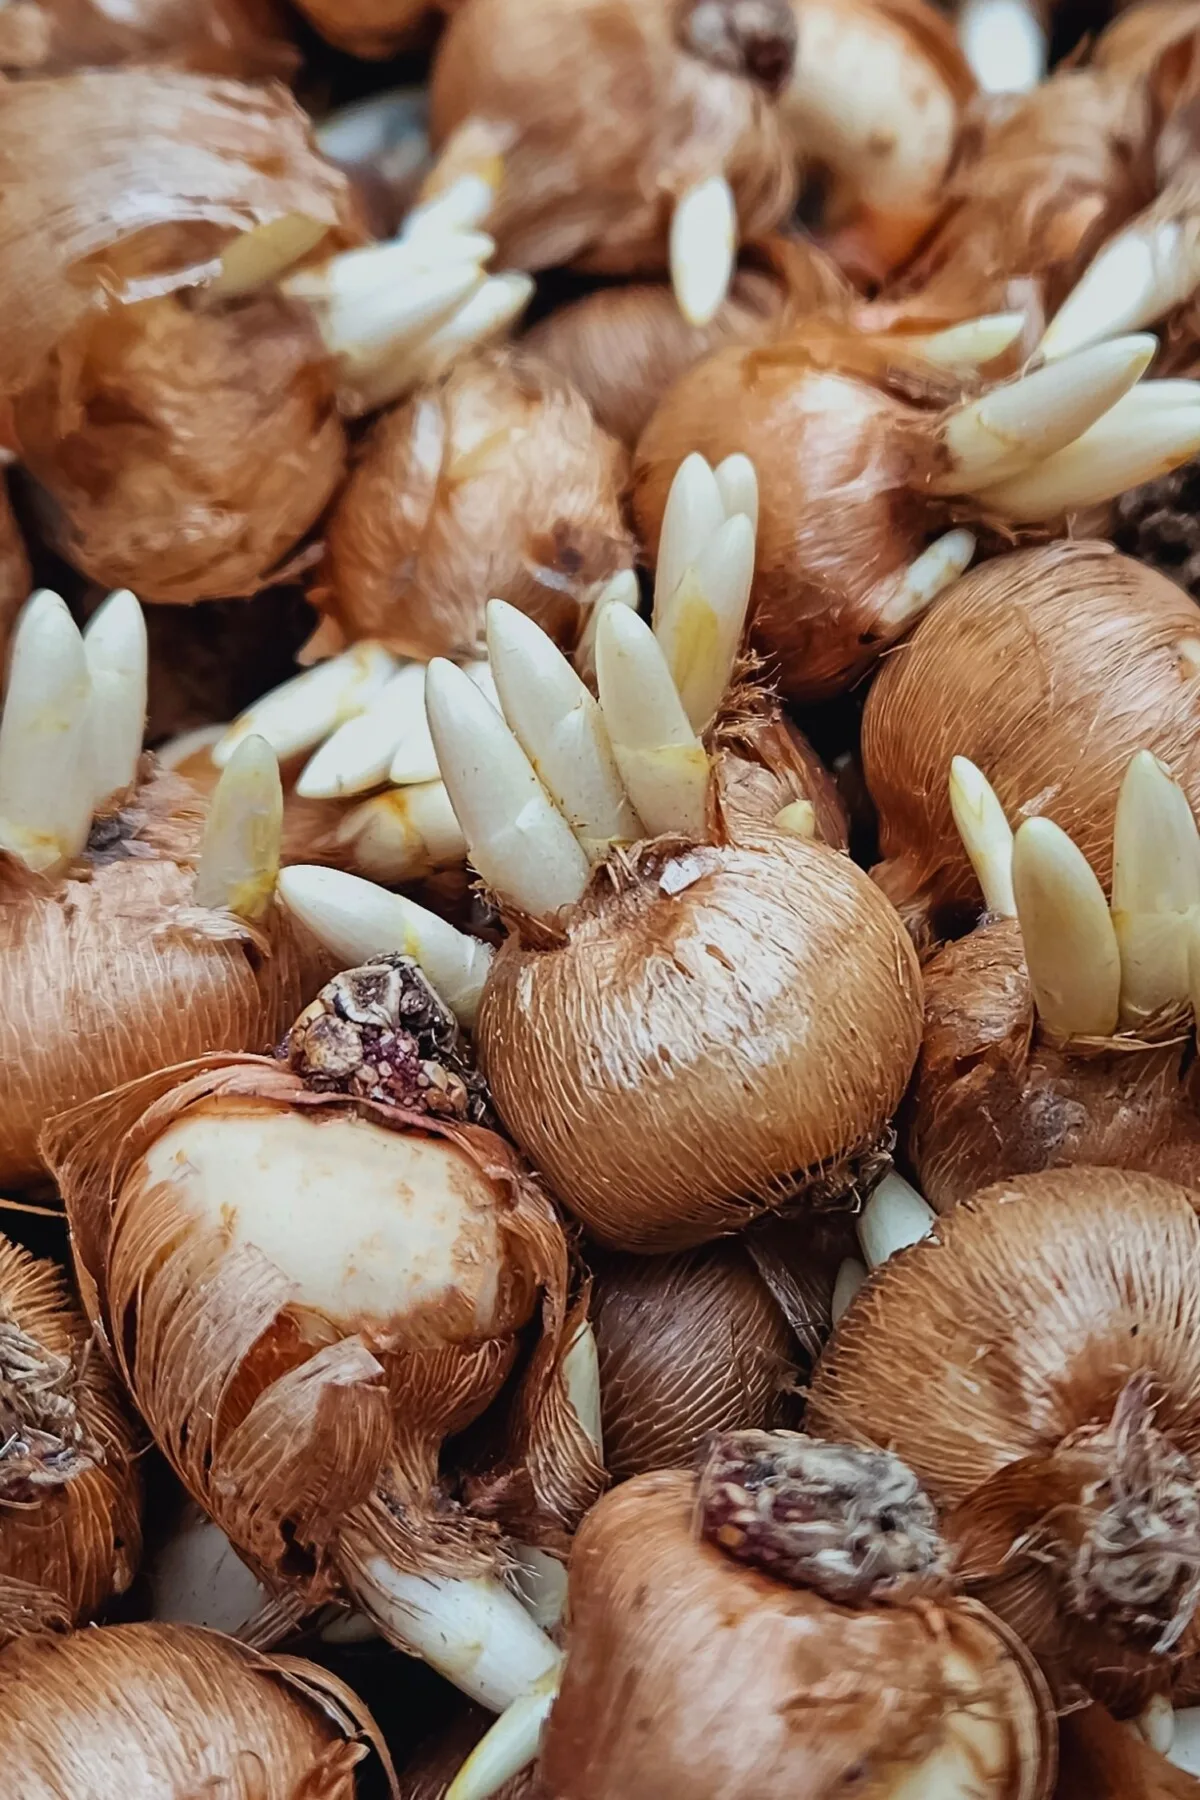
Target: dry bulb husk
x=678 y=95
x=1100 y=659
x=121 y=896
x=623 y=347
x=313 y=1270
x=210 y=37
x=495 y=481
x=160 y=1712
x=70 y=1499
x=1065 y=1480
x=874 y=106
x=690 y=1672
x=866 y=453
x=688 y=1345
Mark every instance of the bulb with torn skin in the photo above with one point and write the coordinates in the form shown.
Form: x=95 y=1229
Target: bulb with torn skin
x=131 y=1711
x=494 y=483
x=245 y=38
x=1065 y=1481
x=70 y=1495
x=1101 y=658
x=132 y=908
x=341 y=1367
x=875 y=102
x=761 y=1690
x=623 y=347
x=610 y=1062
x=858 y=472
x=1061 y=1034
x=672 y=152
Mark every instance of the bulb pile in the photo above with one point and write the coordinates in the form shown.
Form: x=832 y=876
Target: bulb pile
x=600 y=900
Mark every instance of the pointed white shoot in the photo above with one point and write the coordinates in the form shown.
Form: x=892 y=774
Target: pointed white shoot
x=1185 y=1740
x=620 y=590
x=510 y=1746
x=299 y=714
x=541 y=1584
x=262 y=254
x=518 y=840
x=486 y=315
x=703 y=248
x=1156 y=1723
x=850 y=1277
x=1004 y=41
x=694 y=513
x=472 y=1630
x=799 y=818
x=561 y=729
x=701 y=625
x=737 y=484
x=581 y=1377
x=916 y=588
x=1003 y=431
x=1070 y=946
x=1149 y=432
x=415 y=759
x=986 y=834
x=239 y=857
x=662 y=762
x=894 y=1217
x=1140 y=275
x=971 y=345
x=118 y=664
x=1155 y=888
x=463 y=206
x=45 y=782
x=355 y=920
x=402 y=835
x=359 y=754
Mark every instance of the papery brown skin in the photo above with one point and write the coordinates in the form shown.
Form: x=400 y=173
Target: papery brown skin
x=153 y=175
x=688 y=1673
x=992 y=1096
x=842 y=458
x=1101 y=1759
x=1101 y=658
x=313 y=1441
x=1039 y=181
x=495 y=483
x=181 y=452
x=112 y=971
x=170 y=1712
x=373 y=28
x=688 y=1344
x=591 y=171
x=244 y=38
x=623 y=347
x=70 y=1494
x=763 y=763
x=709 y=1035
x=1081 y=1286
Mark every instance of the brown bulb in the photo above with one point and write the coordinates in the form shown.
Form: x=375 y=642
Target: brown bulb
x=246 y=38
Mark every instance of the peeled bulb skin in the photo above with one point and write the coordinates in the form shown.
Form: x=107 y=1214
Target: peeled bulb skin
x=70 y=1495
x=688 y=1344
x=992 y=1097
x=1099 y=663
x=1065 y=1481
x=164 y=1712
x=185 y=453
x=591 y=175
x=495 y=483
x=678 y=1062
x=688 y=1673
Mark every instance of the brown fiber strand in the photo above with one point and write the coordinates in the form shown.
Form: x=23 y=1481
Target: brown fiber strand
x=688 y=1673
x=167 y=1712
x=591 y=170
x=1089 y=643
x=993 y=1358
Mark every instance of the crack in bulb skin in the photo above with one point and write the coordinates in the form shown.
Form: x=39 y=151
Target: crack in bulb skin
x=381 y=1032
x=43 y=1441
x=755 y=38
x=853 y=1525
